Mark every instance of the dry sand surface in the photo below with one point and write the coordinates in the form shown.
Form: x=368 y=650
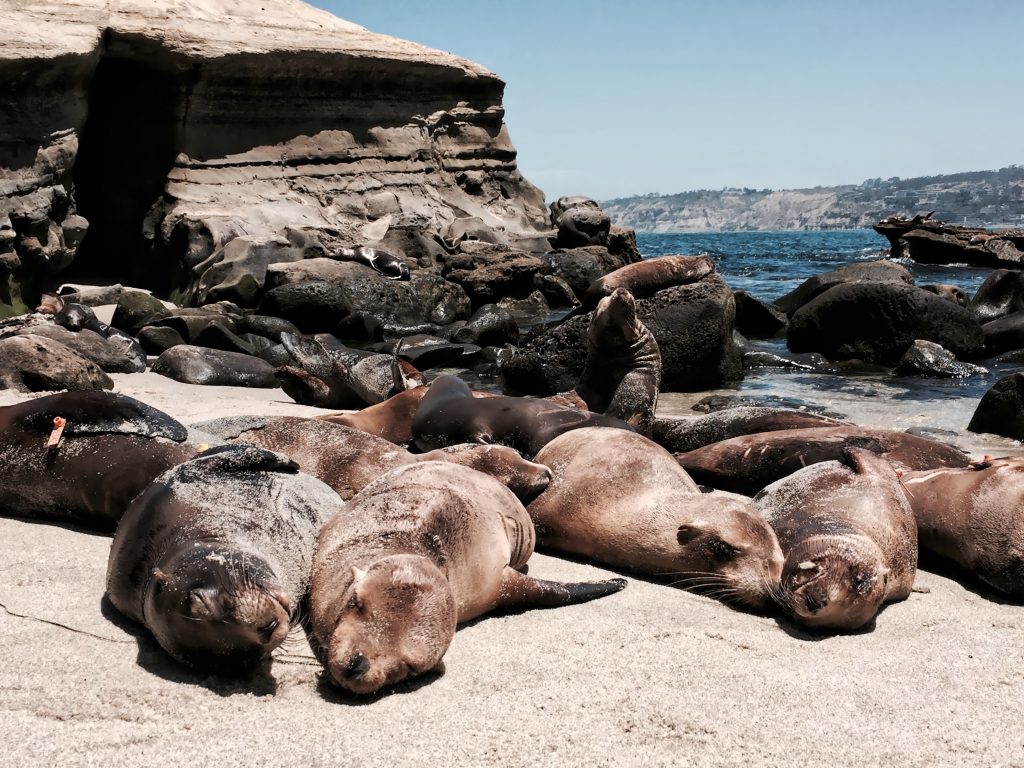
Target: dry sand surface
x=649 y=676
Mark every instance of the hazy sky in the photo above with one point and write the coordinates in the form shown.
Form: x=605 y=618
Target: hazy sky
x=611 y=99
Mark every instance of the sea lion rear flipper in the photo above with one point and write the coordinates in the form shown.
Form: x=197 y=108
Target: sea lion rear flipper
x=521 y=591
x=241 y=458
x=863 y=459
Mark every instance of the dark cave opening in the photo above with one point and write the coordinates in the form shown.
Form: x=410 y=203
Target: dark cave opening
x=126 y=149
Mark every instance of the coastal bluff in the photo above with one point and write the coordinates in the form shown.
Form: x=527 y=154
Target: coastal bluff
x=137 y=138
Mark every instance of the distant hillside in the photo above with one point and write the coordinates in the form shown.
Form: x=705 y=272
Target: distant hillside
x=977 y=198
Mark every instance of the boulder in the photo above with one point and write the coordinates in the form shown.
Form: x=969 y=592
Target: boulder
x=136 y=310
x=32 y=363
x=579 y=267
x=493 y=275
x=871 y=271
x=1004 y=333
x=1001 y=294
x=930 y=241
x=489 y=326
x=111 y=355
x=581 y=226
x=756 y=319
x=923 y=358
x=530 y=311
x=875 y=322
x=1001 y=410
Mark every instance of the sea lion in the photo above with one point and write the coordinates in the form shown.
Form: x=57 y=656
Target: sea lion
x=389 y=265
x=423 y=548
x=645 y=278
x=618 y=498
x=747 y=464
x=849 y=537
x=348 y=459
x=83 y=455
x=214 y=557
x=214 y=367
x=681 y=435
x=32 y=363
x=328 y=374
x=391 y=419
x=972 y=517
x=449 y=414
x=622 y=374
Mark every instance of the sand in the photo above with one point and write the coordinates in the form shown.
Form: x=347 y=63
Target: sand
x=650 y=676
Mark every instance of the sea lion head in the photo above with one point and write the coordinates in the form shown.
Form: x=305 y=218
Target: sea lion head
x=397 y=620
x=732 y=548
x=834 y=583
x=614 y=323
x=217 y=609
x=525 y=478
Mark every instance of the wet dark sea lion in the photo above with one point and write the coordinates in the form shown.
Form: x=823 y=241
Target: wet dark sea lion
x=973 y=517
x=620 y=499
x=425 y=547
x=645 y=278
x=681 y=435
x=449 y=414
x=348 y=459
x=849 y=537
x=214 y=557
x=622 y=373
x=749 y=463
x=83 y=456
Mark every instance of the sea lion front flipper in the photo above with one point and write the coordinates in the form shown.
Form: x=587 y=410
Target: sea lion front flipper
x=521 y=591
x=522 y=537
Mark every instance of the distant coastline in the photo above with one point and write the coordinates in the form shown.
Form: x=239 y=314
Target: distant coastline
x=991 y=199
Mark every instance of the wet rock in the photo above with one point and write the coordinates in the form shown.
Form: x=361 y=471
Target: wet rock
x=1001 y=294
x=923 y=358
x=532 y=310
x=493 y=272
x=760 y=359
x=876 y=322
x=556 y=291
x=757 y=319
x=872 y=271
x=1001 y=410
x=136 y=310
x=1004 y=333
x=489 y=326
x=579 y=267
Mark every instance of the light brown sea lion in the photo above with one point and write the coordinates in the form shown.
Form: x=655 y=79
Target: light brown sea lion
x=348 y=459
x=645 y=278
x=425 y=547
x=449 y=414
x=974 y=517
x=214 y=557
x=849 y=538
x=391 y=419
x=83 y=456
x=747 y=464
x=620 y=499
x=622 y=374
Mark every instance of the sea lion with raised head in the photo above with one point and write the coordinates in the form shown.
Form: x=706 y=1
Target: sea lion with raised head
x=622 y=373
x=449 y=414
x=348 y=459
x=849 y=537
x=747 y=464
x=618 y=498
x=214 y=557
x=973 y=517
x=424 y=548
x=84 y=456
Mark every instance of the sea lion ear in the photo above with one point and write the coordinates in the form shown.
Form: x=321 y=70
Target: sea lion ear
x=864 y=581
x=202 y=604
x=160 y=579
x=805 y=573
x=689 y=531
x=358 y=574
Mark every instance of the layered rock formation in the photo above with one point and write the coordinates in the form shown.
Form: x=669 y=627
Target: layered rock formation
x=929 y=241
x=138 y=138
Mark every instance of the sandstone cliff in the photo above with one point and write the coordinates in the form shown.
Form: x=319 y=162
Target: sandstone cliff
x=160 y=130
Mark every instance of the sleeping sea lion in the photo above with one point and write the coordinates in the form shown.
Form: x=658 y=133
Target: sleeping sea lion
x=425 y=547
x=620 y=499
x=84 y=456
x=849 y=538
x=214 y=557
x=645 y=278
x=973 y=517
x=449 y=414
x=678 y=435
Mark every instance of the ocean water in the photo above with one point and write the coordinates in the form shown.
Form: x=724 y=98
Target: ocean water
x=769 y=265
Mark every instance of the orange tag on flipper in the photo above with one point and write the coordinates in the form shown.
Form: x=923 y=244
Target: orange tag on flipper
x=58 y=430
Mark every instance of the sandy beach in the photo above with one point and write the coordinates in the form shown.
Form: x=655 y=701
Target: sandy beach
x=649 y=676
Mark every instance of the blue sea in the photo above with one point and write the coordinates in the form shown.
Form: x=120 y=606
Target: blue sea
x=769 y=265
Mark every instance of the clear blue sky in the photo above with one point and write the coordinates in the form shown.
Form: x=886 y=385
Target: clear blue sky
x=611 y=99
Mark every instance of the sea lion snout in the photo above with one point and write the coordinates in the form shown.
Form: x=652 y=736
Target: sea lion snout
x=357 y=666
